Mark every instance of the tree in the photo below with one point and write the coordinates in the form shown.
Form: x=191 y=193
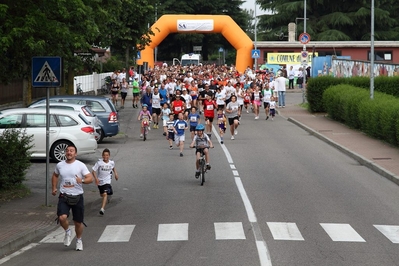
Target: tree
x=64 y=28
x=332 y=20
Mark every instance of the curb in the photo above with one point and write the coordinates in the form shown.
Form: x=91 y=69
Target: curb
x=363 y=161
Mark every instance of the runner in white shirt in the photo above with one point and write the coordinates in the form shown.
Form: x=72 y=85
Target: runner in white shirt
x=267 y=94
x=156 y=107
x=187 y=98
x=102 y=172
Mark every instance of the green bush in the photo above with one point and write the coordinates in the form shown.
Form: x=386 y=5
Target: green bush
x=15 y=155
x=377 y=117
x=316 y=87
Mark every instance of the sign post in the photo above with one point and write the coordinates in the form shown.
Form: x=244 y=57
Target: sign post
x=47 y=72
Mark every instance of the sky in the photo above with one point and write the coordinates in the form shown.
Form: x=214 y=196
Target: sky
x=250 y=4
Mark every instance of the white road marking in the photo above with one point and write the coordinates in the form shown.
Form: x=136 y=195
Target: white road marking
x=224 y=231
x=389 y=231
x=235 y=173
x=19 y=252
x=263 y=251
x=342 y=232
x=285 y=231
x=117 y=233
x=58 y=235
x=232 y=166
x=173 y=232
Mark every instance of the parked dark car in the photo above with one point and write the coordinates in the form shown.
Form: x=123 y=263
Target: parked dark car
x=101 y=106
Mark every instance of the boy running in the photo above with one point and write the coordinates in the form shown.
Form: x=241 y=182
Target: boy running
x=102 y=172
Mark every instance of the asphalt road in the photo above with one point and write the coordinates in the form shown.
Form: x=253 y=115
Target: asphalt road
x=274 y=196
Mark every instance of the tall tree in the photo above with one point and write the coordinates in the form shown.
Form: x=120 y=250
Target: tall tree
x=332 y=20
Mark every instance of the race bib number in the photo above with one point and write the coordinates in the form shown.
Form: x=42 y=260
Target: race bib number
x=256 y=98
x=155 y=101
x=209 y=107
x=68 y=183
x=181 y=126
x=193 y=93
x=178 y=108
x=193 y=119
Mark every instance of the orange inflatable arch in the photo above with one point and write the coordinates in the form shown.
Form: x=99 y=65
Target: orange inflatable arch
x=200 y=24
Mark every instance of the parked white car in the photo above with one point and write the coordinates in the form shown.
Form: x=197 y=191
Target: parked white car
x=83 y=110
x=66 y=127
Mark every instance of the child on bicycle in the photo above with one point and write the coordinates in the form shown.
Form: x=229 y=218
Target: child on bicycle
x=145 y=118
x=102 y=172
x=201 y=141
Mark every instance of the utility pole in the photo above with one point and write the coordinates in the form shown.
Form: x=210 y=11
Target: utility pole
x=372 y=52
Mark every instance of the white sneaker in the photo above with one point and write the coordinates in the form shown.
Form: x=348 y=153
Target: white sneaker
x=67 y=238
x=256 y=117
x=232 y=137
x=235 y=132
x=141 y=135
x=79 y=245
x=247 y=112
x=102 y=211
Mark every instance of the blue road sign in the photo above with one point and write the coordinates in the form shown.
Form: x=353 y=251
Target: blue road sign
x=138 y=55
x=255 y=53
x=46 y=71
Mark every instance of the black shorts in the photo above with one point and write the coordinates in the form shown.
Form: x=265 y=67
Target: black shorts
x=77 y=210
x=171 y=135
x=156 y=111
x=265 y=105
x=231 y=120
x=123 y=95
x=192 y=128
x=136 y=94
x=114 y=92
x=210 y=119
x=107 y=188
x=199 y=150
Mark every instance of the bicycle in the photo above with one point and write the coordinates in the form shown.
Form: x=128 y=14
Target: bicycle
x=146 y=125
x=202 y=165
x=106 y=87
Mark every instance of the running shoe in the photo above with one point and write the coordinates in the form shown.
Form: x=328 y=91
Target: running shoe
x=154 y=126
x=235 y=132
x=256 y=117
x=170 y=147
x=197 y=174
x=164 y=133
x=208 y=167
x=232 y=137
x=221 y=142
x=79 y=245
x=141 y=135
x=102 y=211
x=181 y=154
x=267 y=117
x=67 y=238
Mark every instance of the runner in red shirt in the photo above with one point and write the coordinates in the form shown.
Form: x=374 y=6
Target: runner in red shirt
x=209 y=112
x=178 y=106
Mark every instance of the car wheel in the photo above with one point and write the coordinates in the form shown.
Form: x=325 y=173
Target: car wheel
x=58 y=150
x=101 y=137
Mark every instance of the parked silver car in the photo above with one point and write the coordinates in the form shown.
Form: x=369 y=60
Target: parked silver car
x=81 y=109
x=66 y=127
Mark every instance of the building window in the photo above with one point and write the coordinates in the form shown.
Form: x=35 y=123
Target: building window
x=381 y=55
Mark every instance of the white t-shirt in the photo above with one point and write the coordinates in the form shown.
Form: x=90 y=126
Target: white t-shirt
x=266 y=95
x=67 y=173
x=103 y=171
x=188 y=99
x=280 y=83
x=156 y=100
x=220 y=97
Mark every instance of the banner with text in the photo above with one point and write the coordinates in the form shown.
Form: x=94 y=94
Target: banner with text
x=287 y=58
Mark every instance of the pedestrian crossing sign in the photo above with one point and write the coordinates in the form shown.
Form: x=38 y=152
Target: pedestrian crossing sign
x=255 y=53
x=46 y=71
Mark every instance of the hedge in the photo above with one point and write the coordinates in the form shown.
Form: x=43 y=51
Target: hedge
x=377 y=117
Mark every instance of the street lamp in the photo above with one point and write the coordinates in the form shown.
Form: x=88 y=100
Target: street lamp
x=255 y=44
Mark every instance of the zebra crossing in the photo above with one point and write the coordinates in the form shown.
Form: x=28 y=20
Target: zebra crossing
x=280 y=231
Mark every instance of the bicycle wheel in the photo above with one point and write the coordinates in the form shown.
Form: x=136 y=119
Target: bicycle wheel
x=145 y=133
x=202 y=167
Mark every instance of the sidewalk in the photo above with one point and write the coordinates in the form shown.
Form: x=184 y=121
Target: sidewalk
x=23 y=220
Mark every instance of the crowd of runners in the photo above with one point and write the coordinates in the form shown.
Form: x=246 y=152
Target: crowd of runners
x=208 y=94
